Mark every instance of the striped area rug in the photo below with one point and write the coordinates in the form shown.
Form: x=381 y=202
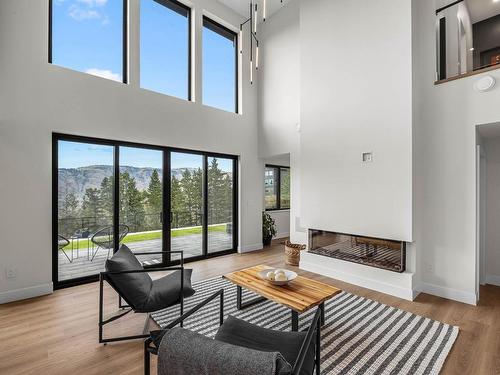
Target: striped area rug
x=360 y=336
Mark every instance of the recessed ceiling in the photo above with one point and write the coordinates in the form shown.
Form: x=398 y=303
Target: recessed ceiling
x=242 y=7
x=482 y=9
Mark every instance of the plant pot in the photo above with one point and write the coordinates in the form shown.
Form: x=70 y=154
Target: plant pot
x=292 y=253
x=267 y=241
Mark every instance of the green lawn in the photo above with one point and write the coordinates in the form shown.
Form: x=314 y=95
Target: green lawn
x=138 y=237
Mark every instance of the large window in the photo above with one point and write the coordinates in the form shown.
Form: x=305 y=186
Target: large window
x=151 y=198
x=88 y=36
x=277 y=187
x=220 y=62
x=165 y=47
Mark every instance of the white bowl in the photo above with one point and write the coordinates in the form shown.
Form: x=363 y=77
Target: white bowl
x=290 y=275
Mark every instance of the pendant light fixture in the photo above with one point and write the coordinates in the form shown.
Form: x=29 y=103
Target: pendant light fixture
x=253 y=22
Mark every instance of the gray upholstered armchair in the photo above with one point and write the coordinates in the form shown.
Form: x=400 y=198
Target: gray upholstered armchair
x=126 y=275
x=238 y=348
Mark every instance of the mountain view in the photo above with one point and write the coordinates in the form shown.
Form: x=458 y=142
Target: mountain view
x=77 y=180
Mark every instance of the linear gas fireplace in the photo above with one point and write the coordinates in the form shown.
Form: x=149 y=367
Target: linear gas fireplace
x=374 y=252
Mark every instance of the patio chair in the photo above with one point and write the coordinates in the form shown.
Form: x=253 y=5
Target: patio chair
x=104 y=238
x=238 y=348
x=126 y=275
x=62 y=242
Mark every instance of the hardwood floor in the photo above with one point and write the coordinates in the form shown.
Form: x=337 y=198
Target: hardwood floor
x=57 y=334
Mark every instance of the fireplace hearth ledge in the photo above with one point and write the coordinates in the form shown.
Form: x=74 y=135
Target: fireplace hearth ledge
x=402 y=285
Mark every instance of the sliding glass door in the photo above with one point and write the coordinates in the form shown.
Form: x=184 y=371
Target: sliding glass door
x=151 y=198
x=141 y=201
x=186 y=203
x=84 y=228
x=220 y=176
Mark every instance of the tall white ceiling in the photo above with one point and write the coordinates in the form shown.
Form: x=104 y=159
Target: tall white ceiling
x=243 y=6
x=482 y=9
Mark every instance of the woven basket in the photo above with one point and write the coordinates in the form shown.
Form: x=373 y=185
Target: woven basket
x=292 y=253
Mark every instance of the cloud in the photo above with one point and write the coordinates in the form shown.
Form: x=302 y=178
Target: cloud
x=104 y=73
x=93 y=3
x=79 y=14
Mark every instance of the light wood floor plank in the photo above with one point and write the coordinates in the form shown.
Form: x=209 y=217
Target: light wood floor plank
x=57 y=334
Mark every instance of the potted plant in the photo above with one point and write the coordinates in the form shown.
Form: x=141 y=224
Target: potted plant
x=268 y=229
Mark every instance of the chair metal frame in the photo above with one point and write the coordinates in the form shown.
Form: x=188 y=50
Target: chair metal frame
x=313 y=332
x=104 y=276
x=110 y=242
x=61 y=247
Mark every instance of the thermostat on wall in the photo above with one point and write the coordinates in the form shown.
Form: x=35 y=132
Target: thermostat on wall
x=367 y=157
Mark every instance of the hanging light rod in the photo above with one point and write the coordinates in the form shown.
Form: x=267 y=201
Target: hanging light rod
x=253 y=22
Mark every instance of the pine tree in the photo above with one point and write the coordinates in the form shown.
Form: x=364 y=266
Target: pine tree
x=177 y=202
x=106 y=199
x=90 y=204
x=155 y=193
x=154 y=198
x=132 y=211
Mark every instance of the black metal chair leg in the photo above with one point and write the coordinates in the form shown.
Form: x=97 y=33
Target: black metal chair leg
x=318 y=349
x=147 y=358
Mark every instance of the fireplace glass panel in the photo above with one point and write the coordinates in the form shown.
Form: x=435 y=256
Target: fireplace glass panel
x=369 y=251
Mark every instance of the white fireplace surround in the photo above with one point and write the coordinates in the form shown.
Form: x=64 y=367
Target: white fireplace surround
x=402 y=285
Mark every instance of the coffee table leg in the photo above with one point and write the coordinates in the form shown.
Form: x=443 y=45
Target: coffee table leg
x=295 y=321
x=322 y=308
x=240 y=305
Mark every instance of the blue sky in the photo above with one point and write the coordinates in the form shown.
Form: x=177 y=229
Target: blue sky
x=75 y=155
x=87 y=36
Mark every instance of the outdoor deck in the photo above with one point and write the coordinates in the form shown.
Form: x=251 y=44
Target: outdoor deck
x=191 y=245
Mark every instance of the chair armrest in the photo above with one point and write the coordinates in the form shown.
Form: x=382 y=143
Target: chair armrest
x=315 y=325
x=146 y=270
x=164 y=252
x=156 y=336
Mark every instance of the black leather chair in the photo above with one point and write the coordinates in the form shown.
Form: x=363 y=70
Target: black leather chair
x=300 y=350
x=126 y=275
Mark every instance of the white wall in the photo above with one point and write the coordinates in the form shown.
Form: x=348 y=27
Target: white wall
x=37 y=98
x=279 y=100
x=444 y=142
x=492 y=208
x=356 y=96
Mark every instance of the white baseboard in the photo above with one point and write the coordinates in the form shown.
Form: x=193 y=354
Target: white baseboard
x=449 y=293
x=249 y=248
x=24 y=293
x=282 y=235
x=329 y=267
x=493 y=280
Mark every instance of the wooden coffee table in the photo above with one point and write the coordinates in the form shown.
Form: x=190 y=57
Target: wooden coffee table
x=299 y=295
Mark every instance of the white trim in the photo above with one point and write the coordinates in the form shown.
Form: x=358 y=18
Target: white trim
x=311 y=263
x=24 y=293
x=493 y=280
x=252 y=247
x=449 y=293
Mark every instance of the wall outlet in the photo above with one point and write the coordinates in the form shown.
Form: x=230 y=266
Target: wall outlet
x=367 y=157
x=428 y=268
x=10 y=273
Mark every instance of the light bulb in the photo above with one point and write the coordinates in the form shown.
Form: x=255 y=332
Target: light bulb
x=255 y=20
x=251 y=72
x=257 y=57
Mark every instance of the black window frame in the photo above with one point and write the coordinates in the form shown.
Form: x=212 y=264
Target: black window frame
x=175 y=6
x=277 y=178
x=229 y=34
x=125 y=51
x=166 y=238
